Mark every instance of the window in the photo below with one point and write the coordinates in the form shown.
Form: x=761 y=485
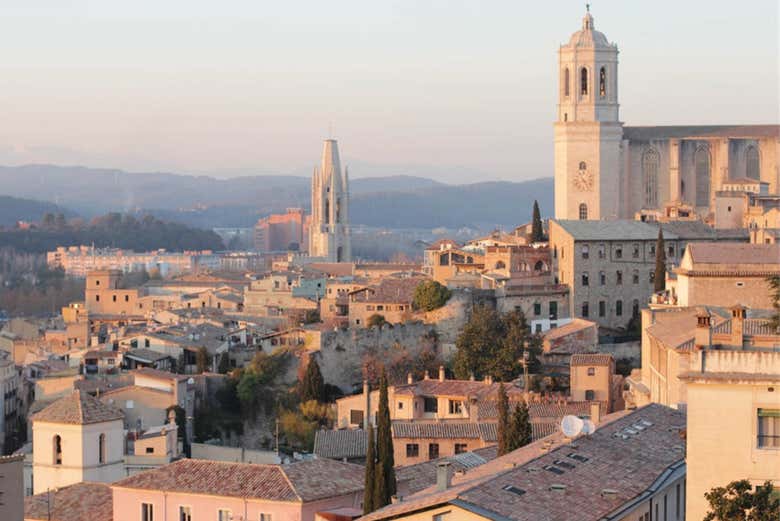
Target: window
x=566 y=82
x=185 y=513
x=224 y=514
x=635 y=308
x=150 y=450
x=539 y=266
x=400 y=405
x=769 y=428
x=584 y=81
x=57 y=449
x=702 y=171
x=537 y=308
x=444 y=516
x=265 y=517
x=652 y=277
x=412 y=450
x=585 y=310
x=752 y=163
x=113 y=298
x=355 y=417
x=585 y=278
x=553 y=310
x=603 y=82
x=619 y=277
x=102 y=448
x=635 y=277
x=650 y=160
x=380 y=308
x=430 y=404
x=433 y=451
x=652 y=249
x=500 y=265
x=602 y=278
x=590 y=395
x=456 y=407
x=583 y=212
x=591 y=371
x=460 y=448
x=619 y=252
x=635 y=251
x=602 y=308
x=671 y=251
x=369 y=307
x=602 y=251
x=147 y=512
x=97 y=298
x=619 y=308
x=585 y=251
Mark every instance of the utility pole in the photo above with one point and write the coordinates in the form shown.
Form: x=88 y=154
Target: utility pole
x=524 y=362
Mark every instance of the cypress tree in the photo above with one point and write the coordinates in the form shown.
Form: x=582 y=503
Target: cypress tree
x=659 y=280
x=313 y=385
x=503 y=421
x=224 y=363
x=368 y=488
x=537 y=232
x=385 y=476
x=521 y=427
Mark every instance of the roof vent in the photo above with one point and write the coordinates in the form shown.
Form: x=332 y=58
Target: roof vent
x=608 y=492
x=554 y=470
x=564 y=464
x=557 y=486
x=514 y=490
x=578 y=457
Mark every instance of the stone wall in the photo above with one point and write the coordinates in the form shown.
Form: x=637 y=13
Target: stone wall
x=631 y=350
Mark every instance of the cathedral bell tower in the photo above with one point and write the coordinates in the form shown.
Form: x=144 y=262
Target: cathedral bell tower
x=588 y=132
x=329 y=233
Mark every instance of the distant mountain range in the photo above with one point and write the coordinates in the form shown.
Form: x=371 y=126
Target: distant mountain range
x=391 y=201
x=13 y=209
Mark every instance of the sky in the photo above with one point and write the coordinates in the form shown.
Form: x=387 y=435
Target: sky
x=461 y=91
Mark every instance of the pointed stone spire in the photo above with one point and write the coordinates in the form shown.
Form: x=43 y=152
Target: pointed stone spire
x=329 y=235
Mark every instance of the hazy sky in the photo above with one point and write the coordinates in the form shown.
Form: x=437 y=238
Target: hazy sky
x=458 y=90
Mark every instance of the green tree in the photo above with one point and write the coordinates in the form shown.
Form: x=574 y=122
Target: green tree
x=520 y=428
x=376 y=320
x=492 y=344
x=737 y=502
x=224 y=363
x=313 y=385
x=659 y=277
x=537 y=231
x=202 y=361
x=774 y=293
x=503 y=420
x=247 y=391
x=369 y=486
x=430 y=295
x=385 y=486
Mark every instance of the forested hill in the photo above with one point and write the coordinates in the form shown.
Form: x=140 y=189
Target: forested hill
x=111 y=230
x=14 y=209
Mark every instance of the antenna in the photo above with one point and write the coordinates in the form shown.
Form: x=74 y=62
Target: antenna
x=571 y=426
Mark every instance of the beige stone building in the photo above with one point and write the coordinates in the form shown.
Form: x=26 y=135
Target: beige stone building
x=12 y=488
x=590 y=378
x=605 y=170
x=726 y=274
x=391 y=298
x=77 y=438
x=329 y=231
x=733 y=421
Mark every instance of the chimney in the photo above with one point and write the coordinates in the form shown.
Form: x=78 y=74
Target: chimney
x=471 y=377
x=395 y=499
x=443 y=476
x=367 y=409
x=738 y=325
x=441 y=373
x=703 y=336
x=595 y=412
x=409 y=378
x=425 y=376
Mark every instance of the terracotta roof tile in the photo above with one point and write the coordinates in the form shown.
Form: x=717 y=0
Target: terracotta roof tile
x=78 y=408
x=338 y=444
x=78 y=502
x=297 y=482
x=591 y=359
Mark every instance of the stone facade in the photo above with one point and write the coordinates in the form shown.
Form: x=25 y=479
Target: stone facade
x=605 y=170
x=329 y=232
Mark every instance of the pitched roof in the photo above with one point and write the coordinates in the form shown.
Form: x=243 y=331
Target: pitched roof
x=683 y=131
x=626 y=454
x=350 y=443
x=591 y=359
x=577 y=324
x=160 y=375
x=422 y=475
x=85 y=500
x=297 y=482
x=724 y=254
x=617 y=230
x=389 y=290
x=79 y=408
x=436 y=387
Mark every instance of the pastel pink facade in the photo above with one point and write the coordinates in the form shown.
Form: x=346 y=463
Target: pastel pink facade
x=166 y=506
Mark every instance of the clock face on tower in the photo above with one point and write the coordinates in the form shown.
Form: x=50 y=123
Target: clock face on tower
x=583 y=179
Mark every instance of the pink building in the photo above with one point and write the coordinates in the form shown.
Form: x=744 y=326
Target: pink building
x=203 y=490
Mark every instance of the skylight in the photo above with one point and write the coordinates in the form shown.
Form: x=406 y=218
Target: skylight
x=514 y=490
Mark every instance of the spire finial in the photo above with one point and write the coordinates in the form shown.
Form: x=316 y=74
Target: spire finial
x=587 y=7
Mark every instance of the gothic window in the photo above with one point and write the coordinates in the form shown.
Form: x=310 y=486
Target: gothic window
x=566 y=82
x=583 y=212
x=650 y=176
x=603 y=82
x=752 y=163
x=327 y=211
x=539 y=266
x=57 y=449
x=702 y=170
x=584 y=81
x=340 y=254
x=102 y=448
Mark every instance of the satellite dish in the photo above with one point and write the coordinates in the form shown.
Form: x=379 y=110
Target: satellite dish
x=571 y=426
x=588 y=427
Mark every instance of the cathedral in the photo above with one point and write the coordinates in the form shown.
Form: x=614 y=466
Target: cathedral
x=329 y=233
x=606 y=170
